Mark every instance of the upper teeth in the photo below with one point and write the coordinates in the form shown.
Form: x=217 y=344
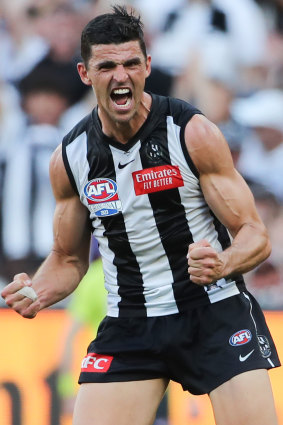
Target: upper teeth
x=121 y=91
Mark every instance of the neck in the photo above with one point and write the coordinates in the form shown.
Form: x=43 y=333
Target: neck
x=124 y=131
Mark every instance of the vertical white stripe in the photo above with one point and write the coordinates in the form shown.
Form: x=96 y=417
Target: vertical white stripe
x=77 y=157
x=44 y=205
x=254 y=322
x=251 y=310
x=16 y=204
x=109 y=269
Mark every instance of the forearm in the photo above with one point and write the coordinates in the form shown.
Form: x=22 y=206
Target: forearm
x=57 y=277
x=249 y=248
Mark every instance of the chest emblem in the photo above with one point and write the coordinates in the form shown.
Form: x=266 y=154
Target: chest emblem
x=102 y=197
x=154 y=151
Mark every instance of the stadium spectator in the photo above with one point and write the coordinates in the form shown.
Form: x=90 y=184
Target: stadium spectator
x=21 y=48
x=266 y=284
x=198 y=19
x=211 y=82
x=266 y=281
x=63 y=24
x=262 y=155
x=27 y=201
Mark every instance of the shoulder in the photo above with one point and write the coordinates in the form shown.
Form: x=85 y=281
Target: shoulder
x=82 y=126
x=180 y=110
x=201 y=133
x=58 y=176
x=206 y=145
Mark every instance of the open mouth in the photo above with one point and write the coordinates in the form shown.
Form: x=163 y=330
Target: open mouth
x=121 y=97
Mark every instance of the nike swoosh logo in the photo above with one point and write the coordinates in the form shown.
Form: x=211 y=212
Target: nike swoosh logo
x=244 y=358
x=120 y=166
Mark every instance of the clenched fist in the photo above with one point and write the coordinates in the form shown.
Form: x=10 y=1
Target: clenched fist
x=205 y=263
x=13 y=297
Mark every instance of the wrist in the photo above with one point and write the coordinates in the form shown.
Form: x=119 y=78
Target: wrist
x=225 y=261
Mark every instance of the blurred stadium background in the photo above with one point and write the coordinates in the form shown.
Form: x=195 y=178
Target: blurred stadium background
x=224 y=56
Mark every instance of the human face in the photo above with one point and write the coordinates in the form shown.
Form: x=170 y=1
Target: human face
x=45 y=107
x=117 y=72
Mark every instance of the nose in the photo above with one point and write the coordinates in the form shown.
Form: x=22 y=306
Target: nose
x=120 y=74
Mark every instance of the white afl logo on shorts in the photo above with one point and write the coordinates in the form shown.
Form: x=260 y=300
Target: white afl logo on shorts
x=240 y=338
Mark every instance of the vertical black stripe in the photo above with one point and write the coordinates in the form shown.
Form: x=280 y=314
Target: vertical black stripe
x=182 y=113
x=170 y=217
x=67 y=166
x=186 y=153
x=129 y=277
x=225 y=242
x=223 y=235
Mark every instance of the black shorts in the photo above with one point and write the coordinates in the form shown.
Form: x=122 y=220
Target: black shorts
x=201 y=348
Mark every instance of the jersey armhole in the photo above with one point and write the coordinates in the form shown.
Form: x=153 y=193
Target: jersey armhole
x=67 y=166
x=184 y=147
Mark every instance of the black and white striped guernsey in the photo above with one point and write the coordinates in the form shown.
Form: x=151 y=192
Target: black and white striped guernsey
x=145 y=207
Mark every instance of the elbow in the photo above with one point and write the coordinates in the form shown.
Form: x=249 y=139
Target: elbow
x=266 y=248
x=265 y=244
x=83 y=269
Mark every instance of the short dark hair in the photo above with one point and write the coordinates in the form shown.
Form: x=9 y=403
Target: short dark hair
x=117 y=27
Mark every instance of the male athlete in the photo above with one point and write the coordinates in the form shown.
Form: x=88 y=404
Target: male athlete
x=154 y=180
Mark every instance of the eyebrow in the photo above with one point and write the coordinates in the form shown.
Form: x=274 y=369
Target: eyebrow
x=111 y=64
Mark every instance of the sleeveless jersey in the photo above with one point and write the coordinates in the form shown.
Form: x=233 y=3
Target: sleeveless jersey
x=145 y=208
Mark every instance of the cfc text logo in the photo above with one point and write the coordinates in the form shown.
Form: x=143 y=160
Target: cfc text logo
x=96 y=363
x=240 y=338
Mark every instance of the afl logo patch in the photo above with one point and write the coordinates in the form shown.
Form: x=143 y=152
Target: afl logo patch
x=100 y=190
x=240 y=338
x=102 y=197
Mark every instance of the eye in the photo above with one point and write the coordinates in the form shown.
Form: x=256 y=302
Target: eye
x=105 y=66
x=132 y=63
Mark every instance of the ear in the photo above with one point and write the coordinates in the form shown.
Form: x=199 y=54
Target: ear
x=83 y=73
x=148 y=66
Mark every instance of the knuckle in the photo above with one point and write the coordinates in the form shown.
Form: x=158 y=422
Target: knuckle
x=209 y=262
x=20 y=276
x=8 y=303
x=27 y=314
x=18 y=310
x=206 y=280
x=207 y=275
x=9 y=300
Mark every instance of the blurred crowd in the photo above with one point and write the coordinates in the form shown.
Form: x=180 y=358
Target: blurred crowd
x=224 y=56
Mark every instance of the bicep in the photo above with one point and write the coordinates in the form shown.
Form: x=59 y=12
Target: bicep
x=70 y=225
x=71 y=230
x=224 y=189
x=230 y=199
